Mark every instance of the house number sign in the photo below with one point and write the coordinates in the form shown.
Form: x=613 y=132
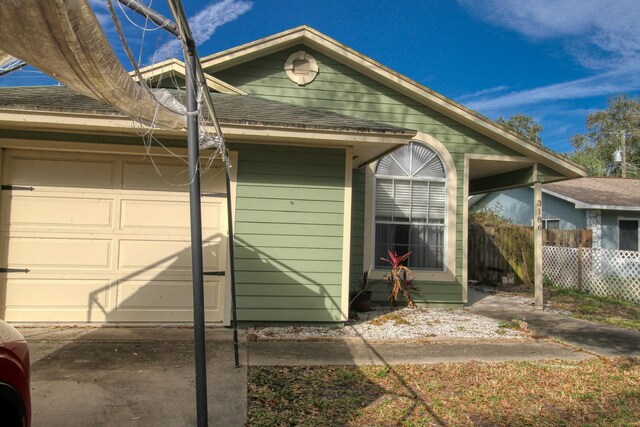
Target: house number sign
x=539 y=214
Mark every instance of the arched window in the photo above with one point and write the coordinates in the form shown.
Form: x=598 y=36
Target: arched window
x=410 y=207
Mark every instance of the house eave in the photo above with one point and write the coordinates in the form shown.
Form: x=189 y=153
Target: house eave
x=367 y=145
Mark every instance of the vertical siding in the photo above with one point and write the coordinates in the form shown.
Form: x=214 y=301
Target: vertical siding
x=339 y=88
x=289 y=228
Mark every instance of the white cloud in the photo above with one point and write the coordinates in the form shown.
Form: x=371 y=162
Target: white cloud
x=101 y=10
x=483 y=92
x=602 y=36
x=204 y=24
x=599 y=85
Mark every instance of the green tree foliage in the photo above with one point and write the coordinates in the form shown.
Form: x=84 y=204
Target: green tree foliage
x=595 y=148
x=524 y=125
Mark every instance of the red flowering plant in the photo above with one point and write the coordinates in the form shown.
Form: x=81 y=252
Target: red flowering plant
x=400 y=278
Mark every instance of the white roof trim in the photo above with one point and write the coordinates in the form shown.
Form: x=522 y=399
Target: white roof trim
x=581 y=205
x=175 y=66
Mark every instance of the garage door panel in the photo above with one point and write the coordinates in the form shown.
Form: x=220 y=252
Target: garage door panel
x=164 y=295
x=39 y=299
x=168 y=215
x=146 y=176
x=58 y=253
x=59 y=212
x=161 y=176
x=48 y=172
x=166 y=255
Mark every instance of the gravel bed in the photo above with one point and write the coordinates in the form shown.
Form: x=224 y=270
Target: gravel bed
x=387 y=323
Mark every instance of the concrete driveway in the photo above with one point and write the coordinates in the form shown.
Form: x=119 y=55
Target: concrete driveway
x=131 y=377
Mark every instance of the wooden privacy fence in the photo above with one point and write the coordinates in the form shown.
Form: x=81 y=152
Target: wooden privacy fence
x=567 y=238
x=499 y=250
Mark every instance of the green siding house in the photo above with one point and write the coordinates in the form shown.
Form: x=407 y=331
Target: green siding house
x=337 y=160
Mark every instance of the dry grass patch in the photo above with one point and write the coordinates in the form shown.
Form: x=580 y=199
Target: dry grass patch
x=596 y=392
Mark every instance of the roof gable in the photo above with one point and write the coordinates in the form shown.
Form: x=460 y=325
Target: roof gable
x=171 y=68
x=313 y=39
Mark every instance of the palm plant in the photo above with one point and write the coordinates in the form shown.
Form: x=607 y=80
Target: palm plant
x=400 y=278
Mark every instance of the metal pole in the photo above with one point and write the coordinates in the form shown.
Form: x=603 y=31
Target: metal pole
x=193 y=148
x=196 y=241
x=624 y=154
x=152 y=15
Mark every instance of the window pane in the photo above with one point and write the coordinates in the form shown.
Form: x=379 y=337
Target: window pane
x=419 y=201
x=402 y=200
x=396 y=164
x=437 y=199
x=552 y=224
x=628 y=235
x=435 y=237
x=426 y=163
x=384 y=198
x=390 y=237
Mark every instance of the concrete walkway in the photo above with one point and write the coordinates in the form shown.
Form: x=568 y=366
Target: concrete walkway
x=594 y=337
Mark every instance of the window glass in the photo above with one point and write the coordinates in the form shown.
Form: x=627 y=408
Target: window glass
x=628 y=235
x=551 y=224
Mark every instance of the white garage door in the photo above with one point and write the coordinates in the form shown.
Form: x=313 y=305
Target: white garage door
x=106 y=238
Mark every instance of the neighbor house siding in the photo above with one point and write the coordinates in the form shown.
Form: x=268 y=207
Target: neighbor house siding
x=340 y=89
x=517 y=206
x=288 y=235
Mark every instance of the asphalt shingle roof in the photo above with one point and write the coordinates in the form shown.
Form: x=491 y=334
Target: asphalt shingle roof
x=231 y=109
x=599 y=191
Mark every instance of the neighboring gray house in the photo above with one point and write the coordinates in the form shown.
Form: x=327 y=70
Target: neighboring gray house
x=610 y=207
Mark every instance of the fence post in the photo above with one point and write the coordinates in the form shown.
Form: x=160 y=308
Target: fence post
x=580 y=267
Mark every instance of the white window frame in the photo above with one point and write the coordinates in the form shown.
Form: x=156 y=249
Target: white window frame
x=546 y=220
x=448 y=274
x=396 y=183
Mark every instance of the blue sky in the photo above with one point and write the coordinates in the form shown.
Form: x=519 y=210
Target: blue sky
x=556 y=60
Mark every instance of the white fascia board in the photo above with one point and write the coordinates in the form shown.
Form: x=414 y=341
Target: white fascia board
x=581 y=205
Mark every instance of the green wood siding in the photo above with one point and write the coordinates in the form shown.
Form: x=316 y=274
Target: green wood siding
x=357 y=229
x=289 y=233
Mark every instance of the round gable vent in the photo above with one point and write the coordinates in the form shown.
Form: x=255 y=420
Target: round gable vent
x=301 y=68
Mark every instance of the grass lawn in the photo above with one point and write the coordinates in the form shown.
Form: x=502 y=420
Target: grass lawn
x=596 y=392
x=613 y=312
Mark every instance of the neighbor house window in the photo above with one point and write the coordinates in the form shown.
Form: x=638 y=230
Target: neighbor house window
x=551 y=224
x=628 y=234
x=410 y=207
